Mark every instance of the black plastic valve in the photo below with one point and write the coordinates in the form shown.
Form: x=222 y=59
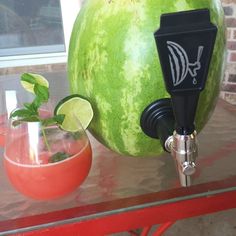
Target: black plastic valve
x=157 y=120
x=185 y=43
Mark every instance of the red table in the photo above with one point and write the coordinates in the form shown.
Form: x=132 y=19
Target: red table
x=125 y=193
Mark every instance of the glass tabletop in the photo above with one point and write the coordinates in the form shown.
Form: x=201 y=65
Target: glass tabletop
x=114 y=177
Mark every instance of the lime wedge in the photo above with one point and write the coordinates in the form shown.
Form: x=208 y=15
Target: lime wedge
x=75 y=108
x=28 y=80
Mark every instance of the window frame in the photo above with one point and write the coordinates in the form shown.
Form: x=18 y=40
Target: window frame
x=69 y=13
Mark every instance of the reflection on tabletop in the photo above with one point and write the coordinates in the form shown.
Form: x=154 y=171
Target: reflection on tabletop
x=113 y=176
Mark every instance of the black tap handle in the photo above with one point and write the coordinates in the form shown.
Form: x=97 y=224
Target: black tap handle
x=185 y=43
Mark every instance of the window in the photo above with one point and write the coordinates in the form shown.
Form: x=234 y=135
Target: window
x=35 y=32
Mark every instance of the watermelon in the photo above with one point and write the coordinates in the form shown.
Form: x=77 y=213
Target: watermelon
x=113 y=62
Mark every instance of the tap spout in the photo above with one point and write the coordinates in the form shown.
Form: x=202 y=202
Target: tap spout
x=184 y=149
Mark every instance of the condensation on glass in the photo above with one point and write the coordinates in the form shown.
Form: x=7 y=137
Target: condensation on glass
x=30 y=27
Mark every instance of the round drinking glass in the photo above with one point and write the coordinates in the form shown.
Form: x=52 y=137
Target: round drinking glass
x=46 y=162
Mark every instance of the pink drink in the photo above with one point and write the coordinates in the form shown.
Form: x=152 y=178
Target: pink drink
x=47 y=180
x=3 y=129
x=2 y=139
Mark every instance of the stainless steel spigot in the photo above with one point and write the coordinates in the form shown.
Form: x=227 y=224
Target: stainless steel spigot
x=184 y=149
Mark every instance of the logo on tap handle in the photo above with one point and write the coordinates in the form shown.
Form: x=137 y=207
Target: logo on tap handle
x=180 y=65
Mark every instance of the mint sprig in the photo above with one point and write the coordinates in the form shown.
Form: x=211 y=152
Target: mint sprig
x=30 y=111
x=59 y=156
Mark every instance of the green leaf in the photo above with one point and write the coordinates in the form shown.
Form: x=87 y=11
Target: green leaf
x=31 y=107
x=21 y=113
x=59 y=118
x=48 y=121
x=31 y=119
x=59 y=156
x=27 y=105
x=36 y=104
x=41 y=92
x=28 y=77
x=77 y=135
x=26 y=119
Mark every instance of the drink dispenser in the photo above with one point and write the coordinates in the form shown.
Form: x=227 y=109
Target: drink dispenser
x=127 y=72
x=185 y=43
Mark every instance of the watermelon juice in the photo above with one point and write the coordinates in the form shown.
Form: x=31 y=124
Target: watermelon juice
x=36 y=178
x=3 y=129
x=2 y=139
